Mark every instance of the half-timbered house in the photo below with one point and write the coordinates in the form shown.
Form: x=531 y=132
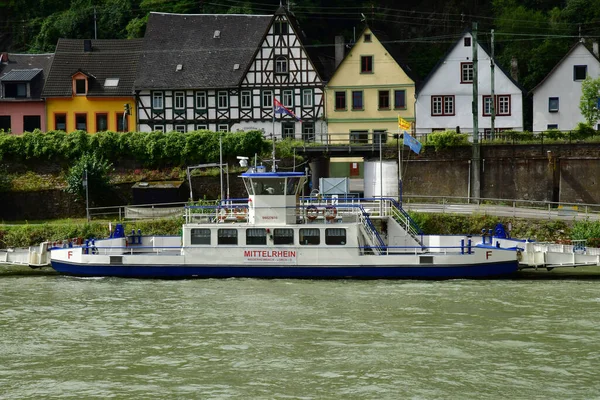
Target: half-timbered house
x=224 y=73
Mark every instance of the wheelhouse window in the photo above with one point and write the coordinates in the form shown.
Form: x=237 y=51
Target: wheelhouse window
x=222 y=99
x=201 y=100
x=283 y=236
x=307 y=98
x=442 y=105
x=366 y=64
x=287 y=97
x=357 y=100
x=553 y=104
x=579 y=72
x=179 y=100
x=81 y=122
x=281 y=65
x=256 y=236
x=310 y=236
x=246 y=99
x=384 y=100
x=399 y=99
x=227 y=236
x=335 y=236
x=340 y=101
x=101 y=122
x=200 y=236
x=267 y=99
x=466 y=72
x=157 y=100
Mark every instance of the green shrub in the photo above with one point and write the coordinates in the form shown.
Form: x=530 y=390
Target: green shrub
x=554 y=134
x=447 y=139
x=98 y=179
x=582 y=131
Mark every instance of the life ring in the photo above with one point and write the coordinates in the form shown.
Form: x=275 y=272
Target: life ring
x=312 y=213
x=222 y=214
x=239 y=213
x=330 y=213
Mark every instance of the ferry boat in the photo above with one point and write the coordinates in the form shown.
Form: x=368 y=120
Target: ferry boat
x=276 y=233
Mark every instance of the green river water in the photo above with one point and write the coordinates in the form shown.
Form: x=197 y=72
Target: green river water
x=72 y=338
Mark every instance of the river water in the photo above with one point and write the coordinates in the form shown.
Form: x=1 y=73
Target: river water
x=63 y=337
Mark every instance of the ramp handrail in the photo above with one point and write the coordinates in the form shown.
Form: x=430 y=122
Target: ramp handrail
x=368 y=224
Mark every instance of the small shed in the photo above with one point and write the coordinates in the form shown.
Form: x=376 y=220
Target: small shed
x=159 y=192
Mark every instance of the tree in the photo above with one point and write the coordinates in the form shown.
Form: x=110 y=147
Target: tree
x=590 y=92
x=98 y=179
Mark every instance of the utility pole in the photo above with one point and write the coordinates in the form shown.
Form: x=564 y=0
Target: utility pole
x=476 y=158
x=493 y=90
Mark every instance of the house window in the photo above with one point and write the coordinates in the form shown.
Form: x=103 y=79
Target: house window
x=308 y=131
x=283 y=236
x=399 y=99
x=159 y=128
x=310 y=236
x=246 y=99
x=15 y=90
x=467 y=42
x=201 y=127
x=281 y=65
x=120 y=122
x=267 y=99
x=379 y=136
x=180 y=128
x=503 y=104
x=357 y=100
x=553 y=104
x=200 y=236
x=223 y=128
x=466 y=72
x=79 y=86
x=359 y=137
x=256 y=236
x=5 y=123
x=101 y=122
x=368 y=38
x=60 y=122
x=487 y=105
x=335 y=236
x=552 y=126
x=281 y=27
x=384 y=100
x=201 y=100
x=179 y=100
x=31 y=123
x=366 y=64
x=307 y=98
x=442 y=105
x=222 y=99
x=157 y=100
x=287 y=98
x=340 y=101
x=227 y=236
x=81 y=122
x=579 y=72
x=288 y=130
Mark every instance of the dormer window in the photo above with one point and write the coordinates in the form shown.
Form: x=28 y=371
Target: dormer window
x=80 y=86
x=15 y=90
x=281 y=65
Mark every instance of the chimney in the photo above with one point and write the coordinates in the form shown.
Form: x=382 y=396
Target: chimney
x=595 y=49
x=87 y=45
x=339 y=50
x=514 y=69
x=3 y=57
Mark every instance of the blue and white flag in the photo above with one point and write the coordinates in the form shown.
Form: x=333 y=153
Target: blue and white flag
x=411 y=142
x=281 y=109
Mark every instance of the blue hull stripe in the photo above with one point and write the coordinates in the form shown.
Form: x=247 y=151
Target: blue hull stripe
x=488 y=270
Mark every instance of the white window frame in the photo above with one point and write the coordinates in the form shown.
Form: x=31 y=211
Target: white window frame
x=287 y=98
x=222 y=128
x=222 y=95
x=181 y=128
x=201 y=127
x=503 y=104
x=466 y=72
x=159 y=128
x=288 y=130
x=201 y=100
x=281 y=65
x=307 y=98
x=179 y=100
x=267 y=94
x=442 y=105
x=246 y=99
x=448 y=105
x=156 y=96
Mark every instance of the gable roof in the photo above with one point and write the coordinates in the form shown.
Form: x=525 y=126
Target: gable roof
x=25 y=67
x=207 y=61
x=108 y=58
x=571 y=50
x=443 y=59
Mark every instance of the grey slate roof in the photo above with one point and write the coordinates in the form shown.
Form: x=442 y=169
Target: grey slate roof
x=27 y=62
x=20 y=75
x=108 y=59
x=206 y=61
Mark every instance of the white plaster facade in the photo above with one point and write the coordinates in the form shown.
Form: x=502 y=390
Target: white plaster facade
x=556 y=98
x=445 y=99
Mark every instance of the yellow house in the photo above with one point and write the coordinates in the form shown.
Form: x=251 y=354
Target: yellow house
x=369 y=90
x=90 y=86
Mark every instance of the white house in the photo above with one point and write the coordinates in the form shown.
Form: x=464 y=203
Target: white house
x=556 y=98
x=444 y=100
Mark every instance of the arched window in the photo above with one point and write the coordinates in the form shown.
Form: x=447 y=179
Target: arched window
x=281 y=65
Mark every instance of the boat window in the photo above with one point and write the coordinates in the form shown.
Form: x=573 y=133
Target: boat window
x=268 y=186
x=200 y=236
x=256 y=236
x=283 y=236
x=310 y=236
x=227 y=236
x=292 y=185
x=335 y=236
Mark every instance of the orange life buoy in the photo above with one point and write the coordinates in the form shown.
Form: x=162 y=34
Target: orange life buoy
x=223 y=214
x=312 y=213
x=330 y=213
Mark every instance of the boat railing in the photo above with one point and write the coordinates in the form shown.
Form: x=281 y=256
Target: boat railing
x=374 y=235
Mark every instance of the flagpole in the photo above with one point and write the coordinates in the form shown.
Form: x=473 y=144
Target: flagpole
x=273 y=135
x=400 y=148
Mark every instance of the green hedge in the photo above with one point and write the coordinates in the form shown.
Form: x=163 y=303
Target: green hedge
x=151 y=149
